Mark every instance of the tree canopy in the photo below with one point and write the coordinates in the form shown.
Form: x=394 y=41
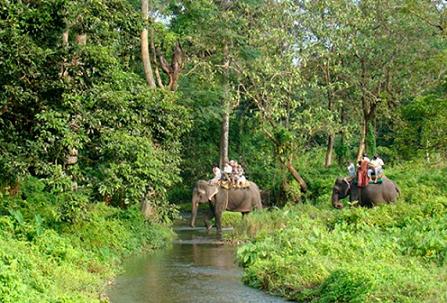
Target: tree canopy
x=263 y=82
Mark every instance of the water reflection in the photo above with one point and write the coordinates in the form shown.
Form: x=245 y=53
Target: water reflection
x=197 y=268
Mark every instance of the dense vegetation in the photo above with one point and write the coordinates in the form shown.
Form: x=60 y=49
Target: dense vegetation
x=393 y=253
x=80 y=132
x=107 y=107
x=50 y=252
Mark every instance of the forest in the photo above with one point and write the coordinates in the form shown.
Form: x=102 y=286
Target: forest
x=112 y=110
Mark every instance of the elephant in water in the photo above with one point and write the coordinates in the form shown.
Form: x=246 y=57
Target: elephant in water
x=369 y=196
x=220 y=199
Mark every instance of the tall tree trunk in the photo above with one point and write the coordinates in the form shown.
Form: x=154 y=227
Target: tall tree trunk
x=331 y=137
x=329 y=150
x=362 y=142
x=296 y=176
x=173 y=70
x=64 y=73
x=154 y=58
x=177 y=62
x=342 y=156
x=145 y=46
x=240 y=147
x=65 y=38
x=225 y=127
x=366 y=113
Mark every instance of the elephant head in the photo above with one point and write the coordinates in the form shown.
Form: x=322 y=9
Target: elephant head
x=203 y=193
x=341 y=189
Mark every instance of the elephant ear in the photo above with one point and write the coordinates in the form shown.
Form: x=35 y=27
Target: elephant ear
x=211 y=191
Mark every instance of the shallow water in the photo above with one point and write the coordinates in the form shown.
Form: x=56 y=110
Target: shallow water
x=197 y=268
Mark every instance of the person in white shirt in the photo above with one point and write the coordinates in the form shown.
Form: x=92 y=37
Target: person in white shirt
x=365 y=157
x=377 y=166
x=351 y=169
x=217 y=175
x=234 y=174
x=227 y=170
x=240 y=176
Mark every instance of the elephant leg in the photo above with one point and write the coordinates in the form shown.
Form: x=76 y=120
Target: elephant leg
x=220 y=206
x=360 y=190
x=219 y=222
x=208 y=217
x=244 y=213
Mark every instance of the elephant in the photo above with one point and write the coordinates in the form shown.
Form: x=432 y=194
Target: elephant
x=242 y=200
x=369 y=196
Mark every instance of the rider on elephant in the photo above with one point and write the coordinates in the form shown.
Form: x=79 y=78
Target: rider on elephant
x=220 y=199
x=362 y=173
x=369 y=196
x=241 y=180
x=217 y=175
x=227 y=171
x=375 y=166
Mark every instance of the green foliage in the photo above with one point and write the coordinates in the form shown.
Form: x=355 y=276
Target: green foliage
x=421 y=129
x=57 y=248
x=294 y=104
x=66 y=98
x=320 y=179
x=231 y=219
x=342 y=150
x=59 y=97
x=386 y=254
x=346 y=286
x=290 y=73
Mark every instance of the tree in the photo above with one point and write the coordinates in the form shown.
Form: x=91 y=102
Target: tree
x=213 y=33
x=126 y=135
x=422 y=129
x=273 y=82
x=172 y=70
x=376 y=48
x=145 y=56
x=322 y=44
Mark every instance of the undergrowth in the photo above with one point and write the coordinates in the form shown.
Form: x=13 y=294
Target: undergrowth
x=393 y=253
x=60 y=248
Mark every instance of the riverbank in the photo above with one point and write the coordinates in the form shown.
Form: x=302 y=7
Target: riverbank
x=393 y=253
x=46 y=257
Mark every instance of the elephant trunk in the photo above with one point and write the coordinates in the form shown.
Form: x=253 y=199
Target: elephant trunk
x=335 y=200
x=195 y=206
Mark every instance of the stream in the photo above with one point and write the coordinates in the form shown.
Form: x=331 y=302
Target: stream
x=196 y=268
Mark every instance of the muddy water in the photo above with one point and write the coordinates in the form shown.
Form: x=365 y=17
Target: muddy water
x=197 y=268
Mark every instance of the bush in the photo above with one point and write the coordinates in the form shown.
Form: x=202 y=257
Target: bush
x=345 y=285
x=231 y=218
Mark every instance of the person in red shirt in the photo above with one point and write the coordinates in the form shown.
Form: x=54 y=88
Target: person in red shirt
x=362 y=174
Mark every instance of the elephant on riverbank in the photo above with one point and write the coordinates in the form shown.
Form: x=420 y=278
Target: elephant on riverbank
x=242 y=200
x=369 y=196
